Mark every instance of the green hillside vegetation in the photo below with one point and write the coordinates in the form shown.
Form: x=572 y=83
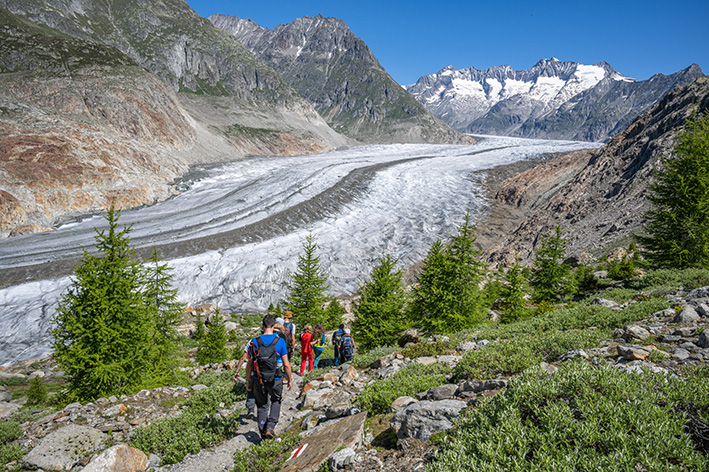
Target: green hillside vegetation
x=26 y=46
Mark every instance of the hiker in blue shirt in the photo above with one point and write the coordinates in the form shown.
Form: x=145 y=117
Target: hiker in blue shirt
x=267 y=353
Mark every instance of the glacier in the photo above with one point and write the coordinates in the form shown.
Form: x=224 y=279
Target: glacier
x=234 y=236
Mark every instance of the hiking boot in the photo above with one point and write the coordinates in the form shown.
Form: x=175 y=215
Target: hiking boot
x=269 y=434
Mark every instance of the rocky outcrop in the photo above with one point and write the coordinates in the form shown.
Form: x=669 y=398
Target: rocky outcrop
x=597 y=197
x=64 y=448
x=336 y=71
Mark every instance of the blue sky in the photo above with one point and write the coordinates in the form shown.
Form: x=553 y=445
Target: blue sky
x=413 y=38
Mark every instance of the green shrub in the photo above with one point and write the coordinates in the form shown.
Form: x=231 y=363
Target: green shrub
x=267 y=456
x=426 y=349
x=173 y=438
x=673 y=278
x=364 y=360
x=583 y=418
x=377 y=397
x=9 y=431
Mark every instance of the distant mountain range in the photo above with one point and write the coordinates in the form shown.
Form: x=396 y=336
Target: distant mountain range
x=323 y=60
x=554 y=99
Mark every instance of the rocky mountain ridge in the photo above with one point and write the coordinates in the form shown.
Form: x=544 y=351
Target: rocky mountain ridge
x=554 y=99
x=598 y=197
x=336 y=71
x=85 y=122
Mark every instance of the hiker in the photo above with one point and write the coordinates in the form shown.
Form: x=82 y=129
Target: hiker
x=306 y=349
x=250 y=400
x=266 y=376
x=289 y=330
x=280 y=330
x=336 y=336
x=318 y=343
x=347 y=347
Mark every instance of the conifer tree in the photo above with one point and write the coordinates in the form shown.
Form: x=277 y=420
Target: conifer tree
x=37 y=393
x=333 y=314
x=513 y=301
x=447 y=297
x=380 y=309
x=103 y=330
x=678 y=223
x=161 y=298
x=212 y=347
x=548 y=275
x=308 y=285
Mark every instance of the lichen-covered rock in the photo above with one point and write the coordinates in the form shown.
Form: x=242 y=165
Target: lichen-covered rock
x=423 y=419
x=64 y=448
x=687 y=315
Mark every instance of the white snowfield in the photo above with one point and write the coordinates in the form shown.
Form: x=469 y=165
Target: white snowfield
x=238 y=231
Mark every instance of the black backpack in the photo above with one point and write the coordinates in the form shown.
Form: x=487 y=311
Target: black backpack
x=265 y=359
x=336 y=336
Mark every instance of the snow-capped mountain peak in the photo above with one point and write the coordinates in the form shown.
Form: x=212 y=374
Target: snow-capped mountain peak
x=501 y=100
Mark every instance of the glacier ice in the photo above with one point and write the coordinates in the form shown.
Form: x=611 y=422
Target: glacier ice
x=235 y=235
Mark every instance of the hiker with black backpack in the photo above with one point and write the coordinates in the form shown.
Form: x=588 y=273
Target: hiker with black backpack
x=336 y=337
x=266 y=353
x=289 y=331
x=347 y=347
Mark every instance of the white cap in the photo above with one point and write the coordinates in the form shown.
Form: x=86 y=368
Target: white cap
x=279 y=321
x=347 y=331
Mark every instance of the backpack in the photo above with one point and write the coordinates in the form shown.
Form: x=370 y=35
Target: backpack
x=347 y=346
x=288 y=326
x=336 y=336
x=265 y=359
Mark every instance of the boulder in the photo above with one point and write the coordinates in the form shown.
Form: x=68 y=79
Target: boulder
x=703 y=340
x=337 y=411
x=64 y=448
x=5 y=394
x=349 y=376
x=669 y=338
x=636 y=332
x=687 y=315
x=573 y=355
x=685 y=331
x=401 y=403
x=680 y=354
x=321 y=399
x=605 y=303
x=703 y=310
x=342 y=458
x=442 y=392
x=427 y=360
x=450 y=360
x=7 y=409
x=633 y=353
x=466 y=346
x=702 y=292
x=666 y=313
x=119 y=458
x=320 y=446
x=230 y=326
x=423 y=419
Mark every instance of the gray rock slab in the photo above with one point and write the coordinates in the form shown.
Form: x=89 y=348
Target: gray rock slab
x=423 y=419
x=342 y=458
x=442 y=392
x=637 y=332
x=401 y=403
x=7 y=409
x=482 y=385
x=5 y=394
x=64 y=448
x=319 y=447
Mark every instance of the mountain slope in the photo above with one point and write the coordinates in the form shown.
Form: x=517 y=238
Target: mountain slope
x=553 y=99
x=234 y=94
x=336 y=71
x=121 y=98
x=599 y=197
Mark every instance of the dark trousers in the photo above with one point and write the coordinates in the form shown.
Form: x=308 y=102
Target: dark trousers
x=267 y=420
